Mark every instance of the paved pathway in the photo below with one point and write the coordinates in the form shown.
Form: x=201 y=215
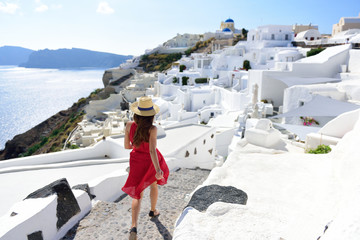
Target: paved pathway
x=112 y=220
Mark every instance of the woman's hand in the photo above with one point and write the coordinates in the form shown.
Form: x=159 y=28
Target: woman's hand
x=159 y=174
x=127 y=143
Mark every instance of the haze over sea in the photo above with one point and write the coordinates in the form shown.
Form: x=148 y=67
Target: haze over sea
x=29 y=96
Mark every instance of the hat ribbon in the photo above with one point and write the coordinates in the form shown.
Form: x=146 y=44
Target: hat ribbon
x=146 y=109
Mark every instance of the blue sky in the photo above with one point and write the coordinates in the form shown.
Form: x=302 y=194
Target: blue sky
x=131 y=26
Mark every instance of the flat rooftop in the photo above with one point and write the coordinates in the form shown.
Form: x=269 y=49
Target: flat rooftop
x=176 y=137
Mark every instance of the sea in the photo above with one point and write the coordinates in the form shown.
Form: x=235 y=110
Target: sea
x=28 y=96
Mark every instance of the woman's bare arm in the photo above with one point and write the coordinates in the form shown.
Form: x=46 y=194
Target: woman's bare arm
x=127 y=143
x=153 y=154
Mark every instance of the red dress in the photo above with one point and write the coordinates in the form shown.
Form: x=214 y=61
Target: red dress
x=142 y=171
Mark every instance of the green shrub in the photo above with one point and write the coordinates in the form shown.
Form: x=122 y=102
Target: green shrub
x=314 y=51
x=175 y=80
x=73 y=146
x=32 y=150
x=188 y=51
x=44 y=140
x=246 y=65
x=201 y=80
x=81 y=101
x=55 y=147
x=182 y=68
x=184 y=80
x=96 y=91
x=321 y=149
x=158 y=62
x=144 y=57
x=57 y=131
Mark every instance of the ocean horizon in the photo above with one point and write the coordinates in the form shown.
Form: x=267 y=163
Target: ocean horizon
x=28 y=96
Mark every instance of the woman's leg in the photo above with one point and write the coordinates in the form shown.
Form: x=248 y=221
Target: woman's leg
x=154 y=196
x=135 y=210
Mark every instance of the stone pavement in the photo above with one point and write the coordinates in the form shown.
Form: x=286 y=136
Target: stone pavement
x=112 y=220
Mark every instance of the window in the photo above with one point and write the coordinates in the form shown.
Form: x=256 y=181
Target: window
x=286 y=36
x=301 y=103
x=272 y=36
x=253 y=37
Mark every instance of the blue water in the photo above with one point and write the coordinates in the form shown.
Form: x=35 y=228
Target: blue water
x=29 y=96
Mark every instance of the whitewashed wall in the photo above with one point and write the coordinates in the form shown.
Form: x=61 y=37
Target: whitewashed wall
x=94 y=108
x=207 y=113
x=183 y=97
x=337 y=128
x=232 y=101
x=108 y=147
x=197 y=153
x=354 y=61
x=168 y=90
x=201 y=98
x=223 y=141
x=40 y=215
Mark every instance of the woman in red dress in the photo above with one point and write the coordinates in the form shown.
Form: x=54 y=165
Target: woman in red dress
x=147 y=165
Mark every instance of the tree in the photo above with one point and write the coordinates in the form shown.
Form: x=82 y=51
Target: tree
x=184 y=80
x=244 y=32
x=182 y=68
x=246 y=65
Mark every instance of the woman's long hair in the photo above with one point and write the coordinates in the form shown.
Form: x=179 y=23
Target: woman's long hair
x=142 y=133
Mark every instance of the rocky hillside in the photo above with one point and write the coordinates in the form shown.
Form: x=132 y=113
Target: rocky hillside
x=161 y=62
x=50 y=135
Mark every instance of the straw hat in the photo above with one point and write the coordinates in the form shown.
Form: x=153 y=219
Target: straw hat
x=144 y=107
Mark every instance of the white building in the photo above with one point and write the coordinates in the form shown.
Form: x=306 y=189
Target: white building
x=325 y=100
x=301 y=28
x=271 y=36
x=263 y=44
x=183 y=41
x=346 y=23
x=347 y=36
x=321 y=68
x=227 y=31
x=308 y=35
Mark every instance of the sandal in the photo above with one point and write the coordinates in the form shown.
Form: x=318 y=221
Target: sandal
x=133 y=234
x=152 y=214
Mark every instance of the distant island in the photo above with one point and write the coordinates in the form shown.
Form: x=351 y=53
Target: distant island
x=60 y=58
x=10 y=55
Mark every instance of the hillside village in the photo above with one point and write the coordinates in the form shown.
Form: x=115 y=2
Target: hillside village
x=249 y=106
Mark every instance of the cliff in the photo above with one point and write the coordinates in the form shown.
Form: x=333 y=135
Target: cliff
x=10 y=55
